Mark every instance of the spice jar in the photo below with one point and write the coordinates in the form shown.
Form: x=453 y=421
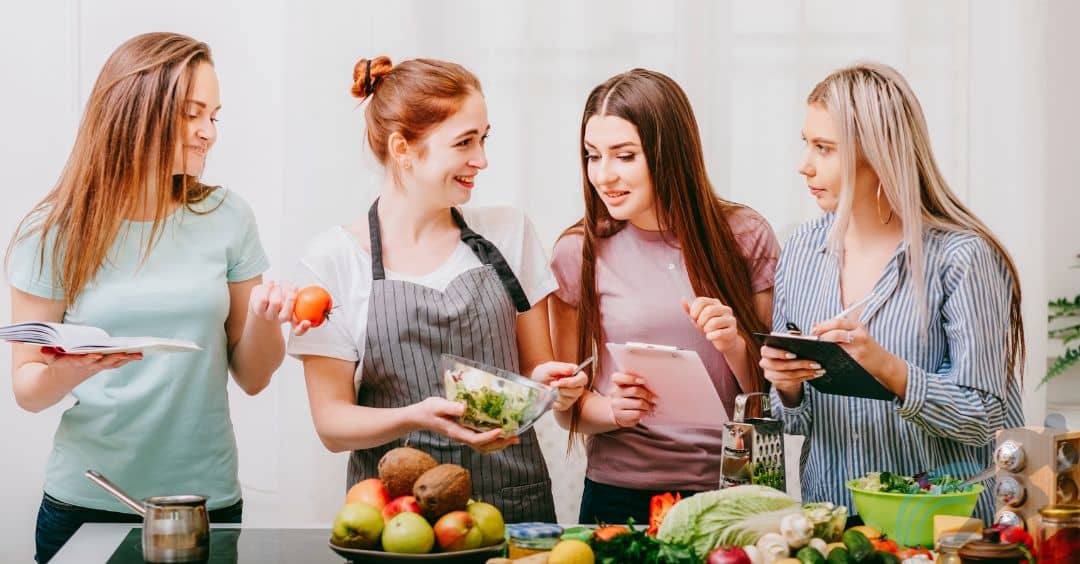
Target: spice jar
x=531 y=538
x=990 y=550
x=1059 y=534
x=948 y=547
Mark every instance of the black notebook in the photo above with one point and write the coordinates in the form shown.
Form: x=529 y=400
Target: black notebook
x=843 y=376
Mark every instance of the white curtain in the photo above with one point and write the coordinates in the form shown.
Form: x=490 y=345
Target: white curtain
x=292 y=140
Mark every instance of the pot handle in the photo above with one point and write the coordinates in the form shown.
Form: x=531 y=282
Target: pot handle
x=116 y=492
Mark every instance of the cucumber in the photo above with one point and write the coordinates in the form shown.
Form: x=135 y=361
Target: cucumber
x=840 y=555
x=858 y=545
x=887 y=558
x=810 y=555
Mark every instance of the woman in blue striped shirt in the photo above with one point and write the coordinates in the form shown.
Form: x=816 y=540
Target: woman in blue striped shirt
x=941 y=325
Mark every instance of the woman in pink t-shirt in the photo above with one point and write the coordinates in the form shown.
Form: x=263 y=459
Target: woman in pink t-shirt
x=649 y=205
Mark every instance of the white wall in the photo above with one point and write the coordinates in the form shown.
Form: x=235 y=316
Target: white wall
x=291 y=142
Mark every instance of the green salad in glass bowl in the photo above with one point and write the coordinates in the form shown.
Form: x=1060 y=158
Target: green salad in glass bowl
x=494 y=398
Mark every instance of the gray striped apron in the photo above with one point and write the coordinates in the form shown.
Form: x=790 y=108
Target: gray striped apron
x=409 y=327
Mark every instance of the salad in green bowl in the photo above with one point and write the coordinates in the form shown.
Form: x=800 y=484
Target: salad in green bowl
x=888 y=482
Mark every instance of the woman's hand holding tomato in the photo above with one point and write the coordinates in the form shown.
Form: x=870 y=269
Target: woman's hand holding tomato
x=274 y=302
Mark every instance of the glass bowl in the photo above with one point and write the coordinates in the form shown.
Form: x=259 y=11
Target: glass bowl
x=494 y=398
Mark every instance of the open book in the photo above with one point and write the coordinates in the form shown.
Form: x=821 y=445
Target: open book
x=81 y=339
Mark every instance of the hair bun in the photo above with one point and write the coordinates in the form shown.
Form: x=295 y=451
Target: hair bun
x=368 y=73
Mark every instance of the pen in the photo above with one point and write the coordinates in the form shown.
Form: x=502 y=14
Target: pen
x=577 y=368
x=854 y=306
x=583 y=364
x=686 y=291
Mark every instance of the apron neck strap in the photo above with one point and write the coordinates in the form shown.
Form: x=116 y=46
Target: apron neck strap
x=484 y=250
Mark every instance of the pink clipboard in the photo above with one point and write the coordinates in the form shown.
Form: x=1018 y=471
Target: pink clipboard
x=685 y=395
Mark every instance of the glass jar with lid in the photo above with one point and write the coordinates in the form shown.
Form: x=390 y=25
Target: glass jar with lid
x=948 y=547
x=990 y=550
x=1059 y=534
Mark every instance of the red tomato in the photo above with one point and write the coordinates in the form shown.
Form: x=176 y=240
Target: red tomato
x=313 y=304
x=604 y=534
x=885 y=545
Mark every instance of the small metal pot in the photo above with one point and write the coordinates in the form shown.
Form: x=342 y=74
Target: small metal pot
x=175 y=527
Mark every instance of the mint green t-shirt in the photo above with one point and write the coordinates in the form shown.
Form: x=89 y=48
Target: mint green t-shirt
x=161 y=425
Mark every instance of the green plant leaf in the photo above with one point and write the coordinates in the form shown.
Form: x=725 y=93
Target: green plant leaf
x=1061 y=364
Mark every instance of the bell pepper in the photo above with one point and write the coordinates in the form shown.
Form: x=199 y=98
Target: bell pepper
x=658 y=509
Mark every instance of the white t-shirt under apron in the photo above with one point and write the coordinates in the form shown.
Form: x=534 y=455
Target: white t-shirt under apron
x=337 y=261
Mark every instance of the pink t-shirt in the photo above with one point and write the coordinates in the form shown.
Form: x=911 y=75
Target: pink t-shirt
x=640 y=302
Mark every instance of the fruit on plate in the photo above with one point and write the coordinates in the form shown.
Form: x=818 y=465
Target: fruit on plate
x=442 y=489
x=408 y=533
x=399 y=468
x=489 y=520
x=403 y=504
x=370 y=491
x=457 y=530
x=357 y=525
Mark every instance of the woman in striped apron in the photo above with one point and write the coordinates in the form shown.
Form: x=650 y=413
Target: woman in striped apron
x=418 y=278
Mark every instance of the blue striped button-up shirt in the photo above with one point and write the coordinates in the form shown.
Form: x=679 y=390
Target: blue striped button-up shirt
x=958 y=393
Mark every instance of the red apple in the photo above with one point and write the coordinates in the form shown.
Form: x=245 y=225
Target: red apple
x=457 y=530
x=402 y=504
x=371 y=491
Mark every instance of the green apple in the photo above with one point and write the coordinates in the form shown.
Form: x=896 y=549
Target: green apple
x=357 y=525
x=489 y=520
x=408 y=533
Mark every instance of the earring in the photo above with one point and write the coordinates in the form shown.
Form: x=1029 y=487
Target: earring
x=877 y=207
x=406 y=165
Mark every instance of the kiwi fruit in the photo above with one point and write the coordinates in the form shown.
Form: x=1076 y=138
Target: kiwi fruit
x=442 y=489
x=400 y=467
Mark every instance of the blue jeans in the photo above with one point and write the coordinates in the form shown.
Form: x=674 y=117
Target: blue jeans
x=612 y=505
x=57 y=522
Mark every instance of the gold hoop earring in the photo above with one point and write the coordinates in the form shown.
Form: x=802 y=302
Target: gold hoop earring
x=877 y=207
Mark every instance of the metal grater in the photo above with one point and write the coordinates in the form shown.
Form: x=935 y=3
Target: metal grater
x=753 y=447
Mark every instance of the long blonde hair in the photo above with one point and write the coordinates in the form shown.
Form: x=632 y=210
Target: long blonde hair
x=125 y=143
x=880 y=119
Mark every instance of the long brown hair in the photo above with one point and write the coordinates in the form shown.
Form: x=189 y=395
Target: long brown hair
x=683 y=199
x=125 y=144
x=880 y=119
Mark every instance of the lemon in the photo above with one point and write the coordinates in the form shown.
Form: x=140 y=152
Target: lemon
x=571 y=552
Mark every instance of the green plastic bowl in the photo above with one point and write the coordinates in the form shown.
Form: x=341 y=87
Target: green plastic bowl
x=908 y=519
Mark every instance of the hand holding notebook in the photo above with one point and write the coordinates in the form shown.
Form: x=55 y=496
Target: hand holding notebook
x=684 y=394
x=65 y=338
x=843 y=375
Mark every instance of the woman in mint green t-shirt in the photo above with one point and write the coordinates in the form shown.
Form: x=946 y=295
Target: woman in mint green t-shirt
x=130 y=241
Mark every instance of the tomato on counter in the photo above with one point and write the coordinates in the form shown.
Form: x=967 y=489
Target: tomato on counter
x=885 y=545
